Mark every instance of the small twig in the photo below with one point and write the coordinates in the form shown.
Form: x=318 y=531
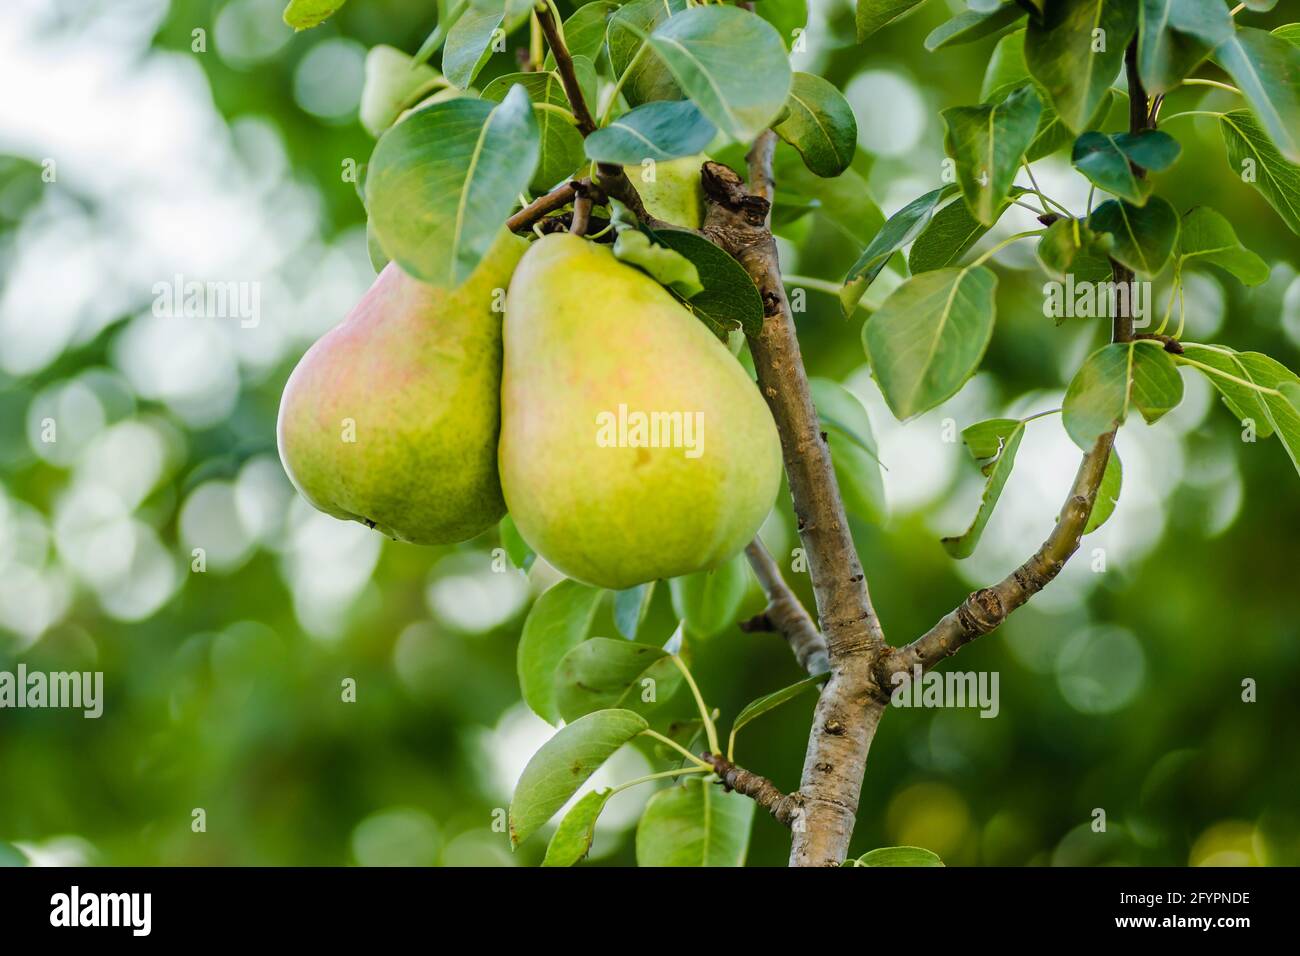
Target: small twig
x=1170 y=343
x=564 y=66
x=587 y=195
x=787 y=808
x=785 y=614
x=557 y=198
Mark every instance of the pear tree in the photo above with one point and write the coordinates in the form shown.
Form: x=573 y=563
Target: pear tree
x=580 y=340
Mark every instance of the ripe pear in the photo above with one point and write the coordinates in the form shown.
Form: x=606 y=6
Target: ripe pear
x=392 y=417
x=675 y=193
x=633 y=445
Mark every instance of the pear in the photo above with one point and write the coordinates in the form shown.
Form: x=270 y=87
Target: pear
x=675 y=193
x=392 y=417
x=633 y=445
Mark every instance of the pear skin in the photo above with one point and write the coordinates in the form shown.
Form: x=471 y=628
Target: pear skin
x=592 y=346
x=392 y=417
x=676 y=193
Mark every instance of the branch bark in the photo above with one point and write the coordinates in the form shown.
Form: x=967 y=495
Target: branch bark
x=785 y=614
x=851 y=703
x=787 y=808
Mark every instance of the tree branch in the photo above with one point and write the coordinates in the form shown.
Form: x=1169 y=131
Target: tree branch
x=557 y=198
x=786 y=808
x=784 y=613
x=851 y=703
x=564 y=66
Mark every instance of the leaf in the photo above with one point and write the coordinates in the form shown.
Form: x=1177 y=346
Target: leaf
x=560 y=142
x=521 y=556
x=1107 y=160
x=630 y=606
x=469 y=45
x=788 y=16
x=709 y=601
x=993 y=444
x=438 y=36
x=666 y=129
x=1207 y=235
x=1070 y=246
x=732 y=63
x=558 y=622
x=988 y=143
x=898 y=856
x=1267 y=70
x=929 y=336
x=393 y=82
x=1289 y=32
x=769 y=702
x=1144 y=235
x=874 y=14
x=1112 y=380
x=304 y=14
x=839 y=408
x=1242 y=400
x=1074 y=64
x=564 y=763
x=973 y=25
x=820 y=125
x=729 y=299
x=857 y=472
x=947 y=237
x=1176 y=35
x=1256 y=160
x=584 y=31
x=1271 y=413
x=649 y=78
x=844 y=201
x=1107 y=493
x=694 y=824
x=900 y=229
x=664 y=265
x=573 y=837
x=602 y=672
x=441 y=183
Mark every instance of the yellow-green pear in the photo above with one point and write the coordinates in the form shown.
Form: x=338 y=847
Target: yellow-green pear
x=392 y=417
x=633 y=445
x=671 y=190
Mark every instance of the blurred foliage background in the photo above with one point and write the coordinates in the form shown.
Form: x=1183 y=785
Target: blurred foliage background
x=1120 y=689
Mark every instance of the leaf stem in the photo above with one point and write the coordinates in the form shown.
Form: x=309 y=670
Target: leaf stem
x=658 y=776
x=618 y=86
x=1003 y=244
x=1214 y=113
x=676 y=746
x=709 y=729
x=1037 y=190
x=1211 y=370
x=1036 y=415
x=1197 y=81
x=808 y=282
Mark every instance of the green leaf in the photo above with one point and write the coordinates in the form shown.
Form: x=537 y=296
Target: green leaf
x=584 y=31
x=993 y=444
x=1257 y=161
x=1267 y=70
x=947 y=237
x=630 y=607
x=649 y=78
x=899 y=856
x=694 y=824
x=787 y=16
x=564 y=763
x=857 y=472
x=1241 y=399
x=732 y=63
x=900 y=229
x=572 y=838
x=840 y=409
x=844 y=201
x=469 y=45
x=768 y=702
x=1207 y=235
x=874 y=14
x=729 y=299
x=973 y=25
x=929 y=336
x=559 y=140
x=1271 y=413
x=1107 y=493
x=988 y=143
x=304 y=14
x=1073 y=62
x=521 y=556
x=1070 y=246
x=666 y=266
x=558 y=622
x=1112 y=380
x=438 y=36
x=393 y=82
x=1144 y=235
x=1175 y=36
x=665 y=129
x=1289 y=32
x=602 y=672
x=1107 y=159
x=820 y=125
x=709 y=601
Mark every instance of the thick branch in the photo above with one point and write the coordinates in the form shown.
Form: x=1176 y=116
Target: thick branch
x=785 y=614
x=851 y=703
x=786 y=808
x=557 y=198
